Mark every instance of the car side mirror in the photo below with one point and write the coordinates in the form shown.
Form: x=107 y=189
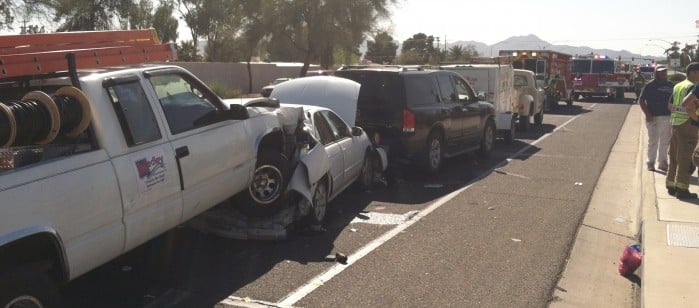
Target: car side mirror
x=237 y=112
x=480 y=95
x=357 y=131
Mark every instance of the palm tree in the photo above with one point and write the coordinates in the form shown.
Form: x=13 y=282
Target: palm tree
x=456 y=52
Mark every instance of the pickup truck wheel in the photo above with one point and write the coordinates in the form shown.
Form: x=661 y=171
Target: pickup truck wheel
x=488 y=139
x=320 y=204
x=524 y=122
x=433 y=156
x=510 y=134
x=264 y=195
x=620 y=94
x=539 y=117
x=26 y=288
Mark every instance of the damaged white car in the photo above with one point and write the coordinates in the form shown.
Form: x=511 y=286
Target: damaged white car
x=330 y=155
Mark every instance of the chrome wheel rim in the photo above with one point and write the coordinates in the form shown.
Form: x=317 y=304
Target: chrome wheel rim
x=266 y=185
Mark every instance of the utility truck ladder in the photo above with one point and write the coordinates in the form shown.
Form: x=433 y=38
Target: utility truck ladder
x=45 y=54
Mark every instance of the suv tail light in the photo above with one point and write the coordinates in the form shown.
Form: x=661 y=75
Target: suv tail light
x=408 y=121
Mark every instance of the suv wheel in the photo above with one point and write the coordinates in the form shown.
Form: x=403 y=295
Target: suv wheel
x=366 y=178
x=264 y=195
x=488 y=139
x=433 y=153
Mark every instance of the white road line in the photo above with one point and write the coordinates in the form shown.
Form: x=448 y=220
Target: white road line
x=292 y=298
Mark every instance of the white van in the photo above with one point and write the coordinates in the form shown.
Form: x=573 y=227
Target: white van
x=495 y=82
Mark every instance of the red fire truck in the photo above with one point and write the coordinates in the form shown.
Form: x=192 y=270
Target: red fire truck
x=551 y=68
x=598 y=75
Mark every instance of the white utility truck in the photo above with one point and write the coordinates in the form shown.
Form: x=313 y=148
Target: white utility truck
x=100 y=153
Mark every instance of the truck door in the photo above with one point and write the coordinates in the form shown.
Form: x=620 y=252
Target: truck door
x=146 y=168
x=214 y=154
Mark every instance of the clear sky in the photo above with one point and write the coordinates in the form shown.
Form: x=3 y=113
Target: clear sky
x=639 y=26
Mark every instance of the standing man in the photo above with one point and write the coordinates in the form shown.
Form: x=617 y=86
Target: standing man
x=638 y=83
x=653 y=101
x=684 y=138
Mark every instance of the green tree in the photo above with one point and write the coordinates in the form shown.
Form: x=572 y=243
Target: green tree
x=686 y=55
x=196 y=20
x=18 y=11
x=382 y=49
x=222 y=26
x=456 y=53
x=86 y=15
x=410 y=58
x=186 y=52
x=138 y=15
x=422 y=45
x=165 y=24
x=317 y=27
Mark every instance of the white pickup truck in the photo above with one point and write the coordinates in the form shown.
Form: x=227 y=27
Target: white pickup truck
x=96 y=162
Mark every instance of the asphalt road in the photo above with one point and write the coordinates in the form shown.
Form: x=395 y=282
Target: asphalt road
x=487 y=233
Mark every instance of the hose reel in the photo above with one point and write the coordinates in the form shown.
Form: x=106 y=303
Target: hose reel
x=39 y=118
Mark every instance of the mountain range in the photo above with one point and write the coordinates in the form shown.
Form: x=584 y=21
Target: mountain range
x=533 y=42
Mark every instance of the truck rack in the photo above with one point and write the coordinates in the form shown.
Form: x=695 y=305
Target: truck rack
x=44 y=54
x=500 y=60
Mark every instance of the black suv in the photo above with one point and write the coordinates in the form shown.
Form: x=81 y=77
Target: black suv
x=422 y=115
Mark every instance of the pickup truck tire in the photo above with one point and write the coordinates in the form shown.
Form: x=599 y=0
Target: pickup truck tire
x=27 y=288
x=264 y=195
x=434 y=153
x=510 y=134
x=539 y=117
x=488 y=139
x=524 y=122
x=320 y=204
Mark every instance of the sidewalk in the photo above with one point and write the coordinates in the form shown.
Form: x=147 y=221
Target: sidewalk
x=670 y=242
x=629 y=200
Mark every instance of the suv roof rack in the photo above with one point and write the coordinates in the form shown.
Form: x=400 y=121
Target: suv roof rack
x=402 y=68
x=499 y=60
x=45 y=54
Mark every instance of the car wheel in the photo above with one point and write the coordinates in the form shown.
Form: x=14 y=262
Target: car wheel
x=524 y=122
x=539 y=117
x=264 y=195
x=25 y=288
x=319 y=205
x=366 y=178
x=488 y=139
x=433 y=153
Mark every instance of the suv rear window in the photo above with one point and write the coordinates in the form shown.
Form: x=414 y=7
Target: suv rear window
x=377 y=87
x=420 y=90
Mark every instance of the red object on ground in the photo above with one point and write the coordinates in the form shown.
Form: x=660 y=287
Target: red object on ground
x=629 y=261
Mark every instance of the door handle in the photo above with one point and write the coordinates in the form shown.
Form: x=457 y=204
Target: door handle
x=181 y=152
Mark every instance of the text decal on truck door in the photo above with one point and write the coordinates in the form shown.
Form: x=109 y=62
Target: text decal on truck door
x=151 y=170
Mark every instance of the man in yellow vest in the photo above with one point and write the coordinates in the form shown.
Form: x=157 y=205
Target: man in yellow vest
x=684 y=137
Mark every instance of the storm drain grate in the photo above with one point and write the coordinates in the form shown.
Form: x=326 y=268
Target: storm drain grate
x=683 y=235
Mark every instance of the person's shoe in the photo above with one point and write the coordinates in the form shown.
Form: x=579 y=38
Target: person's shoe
x=671 y=191
x=662 y=167
x=685 y=194
x=651 y=166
